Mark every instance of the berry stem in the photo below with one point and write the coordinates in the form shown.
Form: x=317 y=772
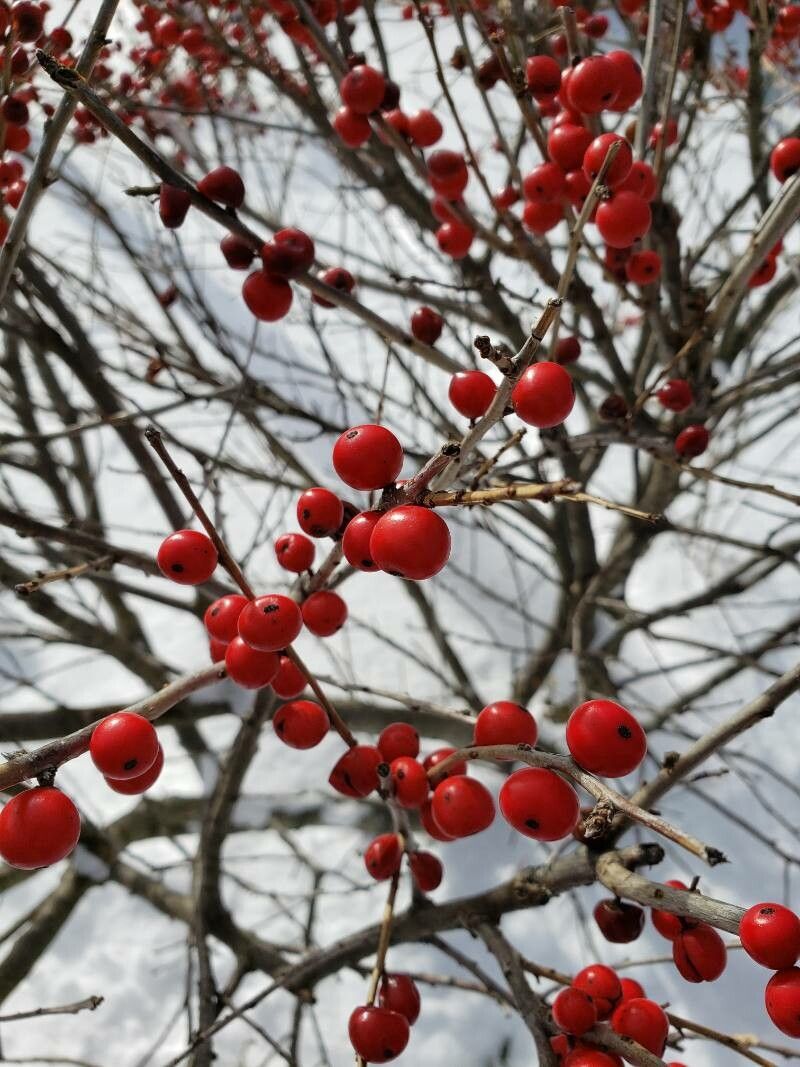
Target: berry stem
x=337 y=722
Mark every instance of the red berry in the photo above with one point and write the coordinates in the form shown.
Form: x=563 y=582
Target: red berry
x=506 y=198
x=505 y=723
x=700 y=954
x=462 y=806
x=324 y=613
x=641 y=180
x=38 y=828
x=643 y=268
x=367 y=457
x=270 y=623
x=294 y=552
x=439 y=756
x=629 y=80
x=301 y=724
x=567 y=350
x=763 y=274
x=337 y=278
x=454 y=239
x=410 y=542
x=545 y=182
x=424 y=128
x=289 y=253
x=539 y=804
x=398 y=739
x=644 y=1021
x=770 y=935
x=398 y=992
x=593 y=85
x=290 y=681
x=692 y=441
x=267 y=296
x=603 y=986
x=619 y=923
x=187 y=557
x=355 y=543
x=781 y=997
x=574 y=1011
x=541 y=216
x=785 y=158
x=353 y=129
x=630 y=989
x=383 y=856
x=430 y=824
x=471 y=393
x=583 y=1056
x=596 y=153
x=447 y=173
x=222 y=617
x=356 y=772
x=441 y=209
x=426 y=325
x=410 y=782
x=543 y=75
x=676 y=395
x=124 y=745
x=544 y=395
x=142 y=782
x=377 y=1034
x=28 y=20
x=249 y=667
x=362 y=89
x=237 y=252
x=667 y=924
x=426 y=870
x=623 y=219
x=173 y=206
x=605 y=739
x=217 y=649
x=14 y=193
x=398 y=120
x=319 y=512
x=224 y=186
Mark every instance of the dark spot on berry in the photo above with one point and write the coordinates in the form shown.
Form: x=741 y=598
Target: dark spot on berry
x=268 y=610
x=306 y=513
x=281 y=726
x=348 y=781
x=532 y=824
x=349 y=436
x=177 y=567
x=401 y=775
x=367 y=563
x=766 y=911
x=624 y=732
x=129 y=764
x=318 y=531
x=215 y=611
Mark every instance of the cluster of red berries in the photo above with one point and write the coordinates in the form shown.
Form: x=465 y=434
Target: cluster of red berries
x=380 y=1032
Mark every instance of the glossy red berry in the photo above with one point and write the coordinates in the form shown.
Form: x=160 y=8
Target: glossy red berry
x=574 y=1011
x=289 y=253
x=410 y=782
x=539 y=804
x=426 y=870
x=623 y=219
x=270 y=623
x=629 y=80
x=28 y=20
x=356 y=540
x=427 y=325
x=439 y=756
x=324 y=613
x=505 y=723
x=596 y=153
x=567 y=350
x=619 y=922
x=544 y=395
x=644 y=1021
x=142 y=782
x=367 y=457
x=667 y=924
x=124 y=745
x=294 y=552
x=584 y=1056
x=38 y=828
x=187 y=557
x=763 y=274
x=462 y=806
x=224 y=186
x=781 y=998
x=301 y=723
x=643 y=268
x=785 y=158
x=454 y=239
x=593 y=85
x=603 y=986
x=471 y=393
x=383 y=856
x=543 y=75
x=545 y=182
x=410 y=542
x=398 y=992
x=692 y=441
x=676 y=394
x=355 y=774
x=631 y=989
x=337 y=278
x=447 y=173
x=319 y=512
x=173 y=206
x=221 y=618
x=267 y=296
x=237 y=252
x=424 y=128
x=541 y=216
x=641 y=180
x=377 y=1034
x=669 y=134
x=248 y=667
x=353 y=129
x=770 y=935
x=217 y=649
x=430 y=825
x=605 y=739
x=362 y=89
x=700 y=954
x=290 y=681
x=398 y=739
